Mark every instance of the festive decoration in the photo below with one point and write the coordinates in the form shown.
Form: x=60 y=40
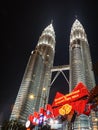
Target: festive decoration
x=78 y=92
x=67 y=106
x=65 y=109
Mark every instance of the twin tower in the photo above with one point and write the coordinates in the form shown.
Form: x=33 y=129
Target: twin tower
x=34 y=88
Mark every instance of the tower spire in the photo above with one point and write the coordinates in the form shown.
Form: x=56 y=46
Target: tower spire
x=50 y=34
x=77 y=31
x=76 y=16
x=77 y=24
x=51 y=21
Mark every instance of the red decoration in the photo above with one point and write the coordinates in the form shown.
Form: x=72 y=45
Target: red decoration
x=78 y=92
x=75 y=103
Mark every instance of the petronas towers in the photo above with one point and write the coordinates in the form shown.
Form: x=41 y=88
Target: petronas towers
x=37 y=77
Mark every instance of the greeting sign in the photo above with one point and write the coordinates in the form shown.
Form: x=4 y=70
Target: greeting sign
x=78 y=92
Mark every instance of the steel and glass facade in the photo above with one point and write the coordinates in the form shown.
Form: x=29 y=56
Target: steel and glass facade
x=36 y=78
x=81 y=71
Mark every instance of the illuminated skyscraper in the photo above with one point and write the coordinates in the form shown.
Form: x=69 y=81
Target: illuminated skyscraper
x=81 y=70
x=37 y=77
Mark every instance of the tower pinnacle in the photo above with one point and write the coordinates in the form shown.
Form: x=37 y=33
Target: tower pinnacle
x=49 y=28
x=77 y=31
x=77 y=24
x=51 y=21
x=48 y=37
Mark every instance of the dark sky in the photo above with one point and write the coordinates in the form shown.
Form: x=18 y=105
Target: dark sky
x=21 y=24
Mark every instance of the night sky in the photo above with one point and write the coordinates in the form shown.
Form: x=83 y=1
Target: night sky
x=21 y=24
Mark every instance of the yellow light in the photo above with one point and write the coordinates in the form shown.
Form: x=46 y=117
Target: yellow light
x=44 y=89
x=31 y=96
x=96 y=119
